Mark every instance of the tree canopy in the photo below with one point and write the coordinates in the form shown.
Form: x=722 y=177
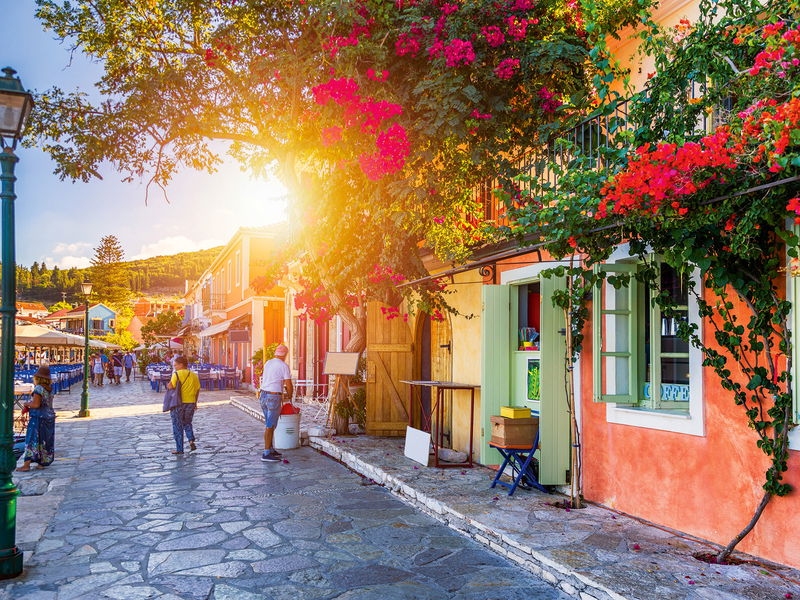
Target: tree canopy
x=164 y=325
x=380 y=116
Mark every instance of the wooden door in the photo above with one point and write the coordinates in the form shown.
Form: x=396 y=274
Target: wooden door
x=273 y=322
x=389 y=360
x=433 y=362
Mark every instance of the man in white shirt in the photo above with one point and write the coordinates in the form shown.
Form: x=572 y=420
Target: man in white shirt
x=275 y=378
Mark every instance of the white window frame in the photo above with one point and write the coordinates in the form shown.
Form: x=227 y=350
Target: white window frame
x=691 y=423
x=238 y=268
x=230 y=275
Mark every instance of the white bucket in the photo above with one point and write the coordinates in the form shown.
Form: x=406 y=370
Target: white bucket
x=287 y=432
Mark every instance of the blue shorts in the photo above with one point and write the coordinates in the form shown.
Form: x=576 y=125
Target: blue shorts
x=271 y=406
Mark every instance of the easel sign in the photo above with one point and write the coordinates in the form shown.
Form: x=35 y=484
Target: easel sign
x=341 y=363
x=418 y=445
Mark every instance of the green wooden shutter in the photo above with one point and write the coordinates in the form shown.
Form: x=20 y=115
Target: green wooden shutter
x=615 y=324
x=554 y=416
x=495 y=363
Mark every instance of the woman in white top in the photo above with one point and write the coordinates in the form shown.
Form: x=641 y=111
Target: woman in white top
x=97 y=369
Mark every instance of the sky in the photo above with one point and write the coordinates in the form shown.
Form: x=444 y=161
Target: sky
x=60 y=221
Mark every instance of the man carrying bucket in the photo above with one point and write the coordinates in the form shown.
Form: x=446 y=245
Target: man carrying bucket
x=275 y=378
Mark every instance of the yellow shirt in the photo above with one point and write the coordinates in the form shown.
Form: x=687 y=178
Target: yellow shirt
x=190 y=384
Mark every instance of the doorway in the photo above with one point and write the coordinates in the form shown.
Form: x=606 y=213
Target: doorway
x=434 y=363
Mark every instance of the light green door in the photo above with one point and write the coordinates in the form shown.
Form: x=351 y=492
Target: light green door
x=495 y=362
x=554 y=413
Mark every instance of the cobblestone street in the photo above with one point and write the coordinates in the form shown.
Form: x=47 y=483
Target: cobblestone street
x=117 y=516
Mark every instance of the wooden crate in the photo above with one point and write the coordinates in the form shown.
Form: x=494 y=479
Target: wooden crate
x=514 y=432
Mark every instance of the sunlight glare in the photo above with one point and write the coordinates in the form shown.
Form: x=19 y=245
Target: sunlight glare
x=261 y=201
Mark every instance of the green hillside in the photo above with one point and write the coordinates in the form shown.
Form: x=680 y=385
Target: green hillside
x=157 y=275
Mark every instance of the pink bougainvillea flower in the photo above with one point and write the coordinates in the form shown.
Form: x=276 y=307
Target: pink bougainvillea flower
x=406 y=44
x=331 y=135
x=517 y=28
x=494 y=36
x=458 y=52
x=506 y=68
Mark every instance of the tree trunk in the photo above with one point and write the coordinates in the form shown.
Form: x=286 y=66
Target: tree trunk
x=356 y=321
x=726 y=551
x=575 y=492
x=354 y=318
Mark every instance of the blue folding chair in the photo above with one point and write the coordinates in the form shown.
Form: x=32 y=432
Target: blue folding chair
x=522 y=466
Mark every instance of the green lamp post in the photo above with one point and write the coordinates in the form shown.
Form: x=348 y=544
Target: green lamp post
x=86 y=288
x=15 y=107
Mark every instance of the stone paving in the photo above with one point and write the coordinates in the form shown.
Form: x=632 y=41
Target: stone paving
x=589 y=553
x=116 y=516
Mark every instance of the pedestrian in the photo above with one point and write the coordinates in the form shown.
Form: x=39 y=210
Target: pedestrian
x=40 y=437
x=116 y=359
x=274 y=380
x=109 y=368
x=97 y=369
x=183 y=414
x=128 y=362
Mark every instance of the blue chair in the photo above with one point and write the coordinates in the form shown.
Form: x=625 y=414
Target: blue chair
x=206 y=382
x=522 y=466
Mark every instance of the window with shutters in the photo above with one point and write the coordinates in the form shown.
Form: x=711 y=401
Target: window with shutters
x=639 y=359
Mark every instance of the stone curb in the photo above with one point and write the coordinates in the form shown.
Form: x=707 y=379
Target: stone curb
x=558 y=575
x=243 y=406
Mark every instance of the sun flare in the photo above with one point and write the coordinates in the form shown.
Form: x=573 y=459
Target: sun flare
x=262 y=201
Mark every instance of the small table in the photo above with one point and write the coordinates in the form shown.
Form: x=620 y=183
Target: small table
x=436 y=418
x=20 y=391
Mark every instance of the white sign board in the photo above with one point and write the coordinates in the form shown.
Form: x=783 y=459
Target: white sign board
x=341 y=363
x=418 y=445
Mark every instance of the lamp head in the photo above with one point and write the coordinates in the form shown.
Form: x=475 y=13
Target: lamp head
x=15 y=106
x=86 y=288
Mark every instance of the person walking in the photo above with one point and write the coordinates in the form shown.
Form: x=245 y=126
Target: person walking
x=109 y=367
x=183 y=414
x=128 y=362
x=40 y=436
x=116 y=359
x=274 y=380
x=98 y=371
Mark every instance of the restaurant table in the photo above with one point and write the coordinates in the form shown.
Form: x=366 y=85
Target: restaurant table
x=435 y=418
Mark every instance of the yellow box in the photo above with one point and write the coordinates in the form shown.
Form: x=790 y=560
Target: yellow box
x=513 y=412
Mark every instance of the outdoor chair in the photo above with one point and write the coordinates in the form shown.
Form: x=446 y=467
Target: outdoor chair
x=523 y=466
x=206 y=382
x=230 y=377
x=313 y=393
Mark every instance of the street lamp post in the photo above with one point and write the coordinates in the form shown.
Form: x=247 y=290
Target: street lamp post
x=15 y=107
x=86 y=288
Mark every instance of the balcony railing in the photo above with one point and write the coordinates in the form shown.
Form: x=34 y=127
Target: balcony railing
x=97 y=332
x=587 y=139
x=213 y=301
